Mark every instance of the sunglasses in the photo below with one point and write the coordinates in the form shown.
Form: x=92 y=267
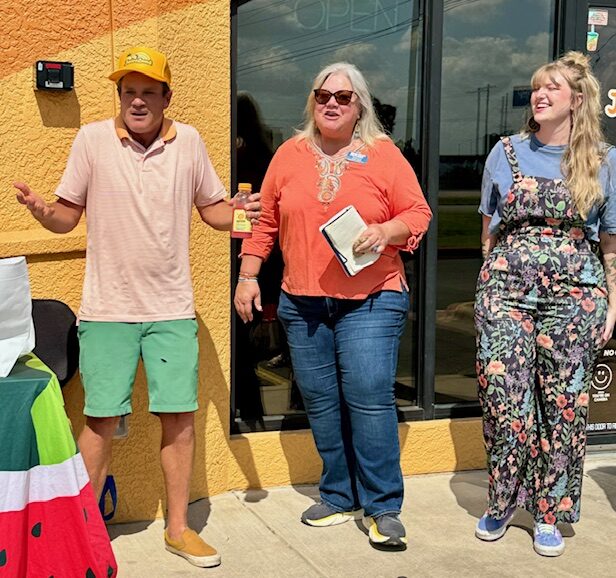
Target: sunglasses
x=342 y=96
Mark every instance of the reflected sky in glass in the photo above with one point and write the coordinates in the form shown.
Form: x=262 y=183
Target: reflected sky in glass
x=283 y=44
x=490 y=48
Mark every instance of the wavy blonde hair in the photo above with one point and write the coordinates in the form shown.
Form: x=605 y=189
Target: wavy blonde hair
x=582 y=159
x=368 y=125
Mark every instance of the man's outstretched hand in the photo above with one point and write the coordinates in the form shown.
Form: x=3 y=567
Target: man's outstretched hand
x=35 y=203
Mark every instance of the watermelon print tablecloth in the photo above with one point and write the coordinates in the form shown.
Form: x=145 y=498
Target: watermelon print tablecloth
x=50 y=525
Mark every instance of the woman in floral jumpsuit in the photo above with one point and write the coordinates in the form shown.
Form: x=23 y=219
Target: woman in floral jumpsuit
x=541 y=308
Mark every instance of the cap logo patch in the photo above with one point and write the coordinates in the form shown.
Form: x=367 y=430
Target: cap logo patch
x=138 y=58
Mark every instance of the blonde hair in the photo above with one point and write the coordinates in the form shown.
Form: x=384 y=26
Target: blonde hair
x=582 y=159
x=368 y=125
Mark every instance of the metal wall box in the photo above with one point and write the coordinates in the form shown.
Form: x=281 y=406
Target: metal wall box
x=51 y=75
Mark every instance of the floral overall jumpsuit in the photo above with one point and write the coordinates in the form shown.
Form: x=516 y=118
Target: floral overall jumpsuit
x=540 y=309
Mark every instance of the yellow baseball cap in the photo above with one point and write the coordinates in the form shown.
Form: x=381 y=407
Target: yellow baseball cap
x=144 y=60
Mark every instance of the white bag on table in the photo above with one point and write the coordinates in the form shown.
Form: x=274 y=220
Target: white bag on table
x=16 y=327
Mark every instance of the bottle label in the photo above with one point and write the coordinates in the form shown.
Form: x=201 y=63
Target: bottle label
x=241 y=223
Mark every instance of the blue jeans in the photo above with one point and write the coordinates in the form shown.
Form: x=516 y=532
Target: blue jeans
x=344 y=354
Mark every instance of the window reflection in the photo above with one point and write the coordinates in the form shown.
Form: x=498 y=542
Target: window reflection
x=280 y=48
x=490 y=49
x=600 y=46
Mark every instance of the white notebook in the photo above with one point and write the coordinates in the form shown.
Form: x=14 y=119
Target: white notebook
x=341 y=231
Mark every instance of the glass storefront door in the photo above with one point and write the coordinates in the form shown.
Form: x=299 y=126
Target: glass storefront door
x=601 y=47
x=490 y=50
x=280 y=47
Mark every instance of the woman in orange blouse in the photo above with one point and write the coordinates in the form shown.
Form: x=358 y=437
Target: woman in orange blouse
x=343 y=332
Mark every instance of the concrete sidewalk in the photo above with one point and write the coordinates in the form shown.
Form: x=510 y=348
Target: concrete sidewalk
x=259 y=534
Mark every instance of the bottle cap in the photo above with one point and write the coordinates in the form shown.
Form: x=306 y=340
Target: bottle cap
x=244 y=187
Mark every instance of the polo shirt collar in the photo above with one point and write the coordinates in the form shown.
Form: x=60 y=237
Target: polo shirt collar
x=167 y=130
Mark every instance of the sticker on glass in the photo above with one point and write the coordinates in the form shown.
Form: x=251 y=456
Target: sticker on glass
x=610 y=109
x=597 y=17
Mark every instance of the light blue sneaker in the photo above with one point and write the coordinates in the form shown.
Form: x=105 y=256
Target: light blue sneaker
x=548 y=540
x=490 y=529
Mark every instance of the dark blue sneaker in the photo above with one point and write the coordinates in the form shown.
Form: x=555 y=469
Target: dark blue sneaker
x=548 y=540
x=490 y=529
x=386 y=532
x=321 y=515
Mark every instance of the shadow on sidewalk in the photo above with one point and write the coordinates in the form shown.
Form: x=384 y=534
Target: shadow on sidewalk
x=127 y=528
x=605 y=478
x=470 y=490
x=198 y=513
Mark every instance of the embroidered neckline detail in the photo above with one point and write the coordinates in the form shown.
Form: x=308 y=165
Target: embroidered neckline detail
x=331 y=169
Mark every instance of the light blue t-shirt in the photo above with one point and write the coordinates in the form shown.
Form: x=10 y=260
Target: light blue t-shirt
x=538 y=160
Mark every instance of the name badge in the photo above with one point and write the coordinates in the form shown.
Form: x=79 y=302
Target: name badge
x=356 y=157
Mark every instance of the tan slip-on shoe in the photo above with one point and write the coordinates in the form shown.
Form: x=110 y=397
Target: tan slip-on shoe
x=192 y=547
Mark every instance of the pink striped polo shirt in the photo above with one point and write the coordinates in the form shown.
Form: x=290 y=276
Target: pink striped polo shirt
x=138 y=206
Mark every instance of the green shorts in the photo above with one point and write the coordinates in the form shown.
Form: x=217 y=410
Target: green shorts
x=108 y=359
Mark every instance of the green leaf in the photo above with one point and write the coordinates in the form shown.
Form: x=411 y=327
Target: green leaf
x=561 y=205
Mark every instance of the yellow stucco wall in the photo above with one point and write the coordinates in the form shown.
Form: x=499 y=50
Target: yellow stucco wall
x=39 y=129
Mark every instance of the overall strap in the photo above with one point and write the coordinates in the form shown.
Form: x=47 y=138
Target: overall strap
x=512 y=159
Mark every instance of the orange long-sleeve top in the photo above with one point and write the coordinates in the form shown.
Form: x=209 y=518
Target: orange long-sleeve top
x=377 y=180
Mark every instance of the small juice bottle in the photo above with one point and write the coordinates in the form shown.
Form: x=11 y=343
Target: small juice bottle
x=241 y=227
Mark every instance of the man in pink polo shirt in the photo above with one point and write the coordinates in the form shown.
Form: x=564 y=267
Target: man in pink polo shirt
x=138 y=177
